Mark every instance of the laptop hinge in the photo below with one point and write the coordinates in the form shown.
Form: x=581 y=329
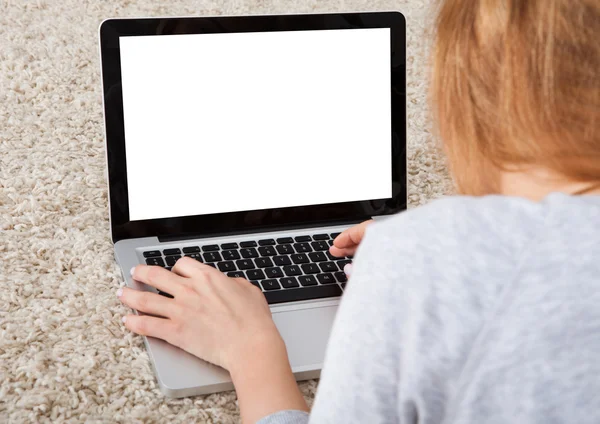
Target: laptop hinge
x=173 y=238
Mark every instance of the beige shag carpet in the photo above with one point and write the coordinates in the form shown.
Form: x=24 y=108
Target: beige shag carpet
x=64 y=355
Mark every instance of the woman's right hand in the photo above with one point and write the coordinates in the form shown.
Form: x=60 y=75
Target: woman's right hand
x=347 y=242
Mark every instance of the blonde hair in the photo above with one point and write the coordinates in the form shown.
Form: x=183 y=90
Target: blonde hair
x=516 y=83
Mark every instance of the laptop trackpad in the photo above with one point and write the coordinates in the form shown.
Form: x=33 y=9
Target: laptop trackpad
x=306 y=332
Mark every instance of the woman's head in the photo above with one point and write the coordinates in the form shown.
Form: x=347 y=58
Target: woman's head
x=516 y=85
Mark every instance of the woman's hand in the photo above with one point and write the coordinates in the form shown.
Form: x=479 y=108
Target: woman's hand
x=222 y=320
x=347 y=242
x=219 y=319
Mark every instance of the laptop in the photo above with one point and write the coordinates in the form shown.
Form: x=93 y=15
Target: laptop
x=248 y=143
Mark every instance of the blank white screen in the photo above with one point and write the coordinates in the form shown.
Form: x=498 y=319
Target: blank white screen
x=233 y=122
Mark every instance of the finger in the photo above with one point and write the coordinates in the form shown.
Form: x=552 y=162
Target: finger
x=147 y=302
x=188 y=267
x=348 y=269
x=340 y=253
x=352 y=236
x=157 y=277
x=145 y=325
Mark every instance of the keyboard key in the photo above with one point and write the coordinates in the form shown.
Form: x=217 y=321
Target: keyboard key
x=175 y=251
x=210 y=248
x=342 y=264
x=152 y=253
x=236 y=274
x=212 y=257
x=168 y=268
x=245 y=264
x=326 y=278
x=310 y=269
x=328 y=266
x=228 y=246
x=274 y=272
x=331 y=257
x=321 y=237
x=155 y=261
x=282 y=260
x=330 y=242
x=317 y=257
x=289 y=282
x=267 y=251
x=320 y=245
x=299 y=258
x=285 y=240
x=248 y=244
x=344 y=286
x=340 y=276
x=307 y=280
x=255 y=274
x=334 y=235
x=308 y=293
x=350 y=257
x=270 y=285
x=191 y=249
x=226 y=266
x=255 y=283
x=263 y=262
x=230 y=255
x=284 y=249
x=170 y=260
x=303 y=238
x=165 y=294
x=196 y=256
x=249 y=253
x=292 y=270
x=266 y=242
x=302 y=247
x=214 y=265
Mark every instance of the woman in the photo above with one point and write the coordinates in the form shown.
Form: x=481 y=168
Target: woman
x=477 y=308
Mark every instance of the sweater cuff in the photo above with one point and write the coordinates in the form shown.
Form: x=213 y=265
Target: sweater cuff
x=285 y=417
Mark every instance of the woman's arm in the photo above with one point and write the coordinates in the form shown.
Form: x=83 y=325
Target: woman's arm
x=264 y=382
x=222 y=320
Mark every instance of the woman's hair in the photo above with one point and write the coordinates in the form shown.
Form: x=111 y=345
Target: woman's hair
x=516 y=83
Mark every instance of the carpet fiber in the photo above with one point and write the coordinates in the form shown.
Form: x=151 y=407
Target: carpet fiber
x=64 y=355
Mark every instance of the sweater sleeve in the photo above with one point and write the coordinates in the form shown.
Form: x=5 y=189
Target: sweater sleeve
x=285 y=417
x=359 y=379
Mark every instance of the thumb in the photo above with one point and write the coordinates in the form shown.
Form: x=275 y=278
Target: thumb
x=352 y=236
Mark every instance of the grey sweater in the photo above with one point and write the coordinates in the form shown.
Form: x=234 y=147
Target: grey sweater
x=469 y=310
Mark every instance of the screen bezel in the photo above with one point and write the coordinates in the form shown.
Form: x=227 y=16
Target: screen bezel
x=258 y=220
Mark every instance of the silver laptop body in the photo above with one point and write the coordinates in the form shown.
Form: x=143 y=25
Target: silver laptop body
x=286 y=241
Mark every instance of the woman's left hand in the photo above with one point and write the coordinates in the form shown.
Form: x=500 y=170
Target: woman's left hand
x=222 y=320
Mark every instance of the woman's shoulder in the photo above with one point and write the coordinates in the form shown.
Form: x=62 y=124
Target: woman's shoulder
x=436 y=270
x=492 y=220
x=452 y=247
x=472 y=245
x=462 y=220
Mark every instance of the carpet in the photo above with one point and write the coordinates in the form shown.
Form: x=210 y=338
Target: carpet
x=64 y=355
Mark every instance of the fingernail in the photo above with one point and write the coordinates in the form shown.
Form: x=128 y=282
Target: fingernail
x=348 y=269
x=120 y=292
x=124 y=319
x=131 y=272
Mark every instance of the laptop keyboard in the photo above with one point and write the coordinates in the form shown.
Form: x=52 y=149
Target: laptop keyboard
x=286 y=269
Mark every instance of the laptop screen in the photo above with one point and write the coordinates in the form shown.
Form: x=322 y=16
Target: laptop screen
x=245 y=121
